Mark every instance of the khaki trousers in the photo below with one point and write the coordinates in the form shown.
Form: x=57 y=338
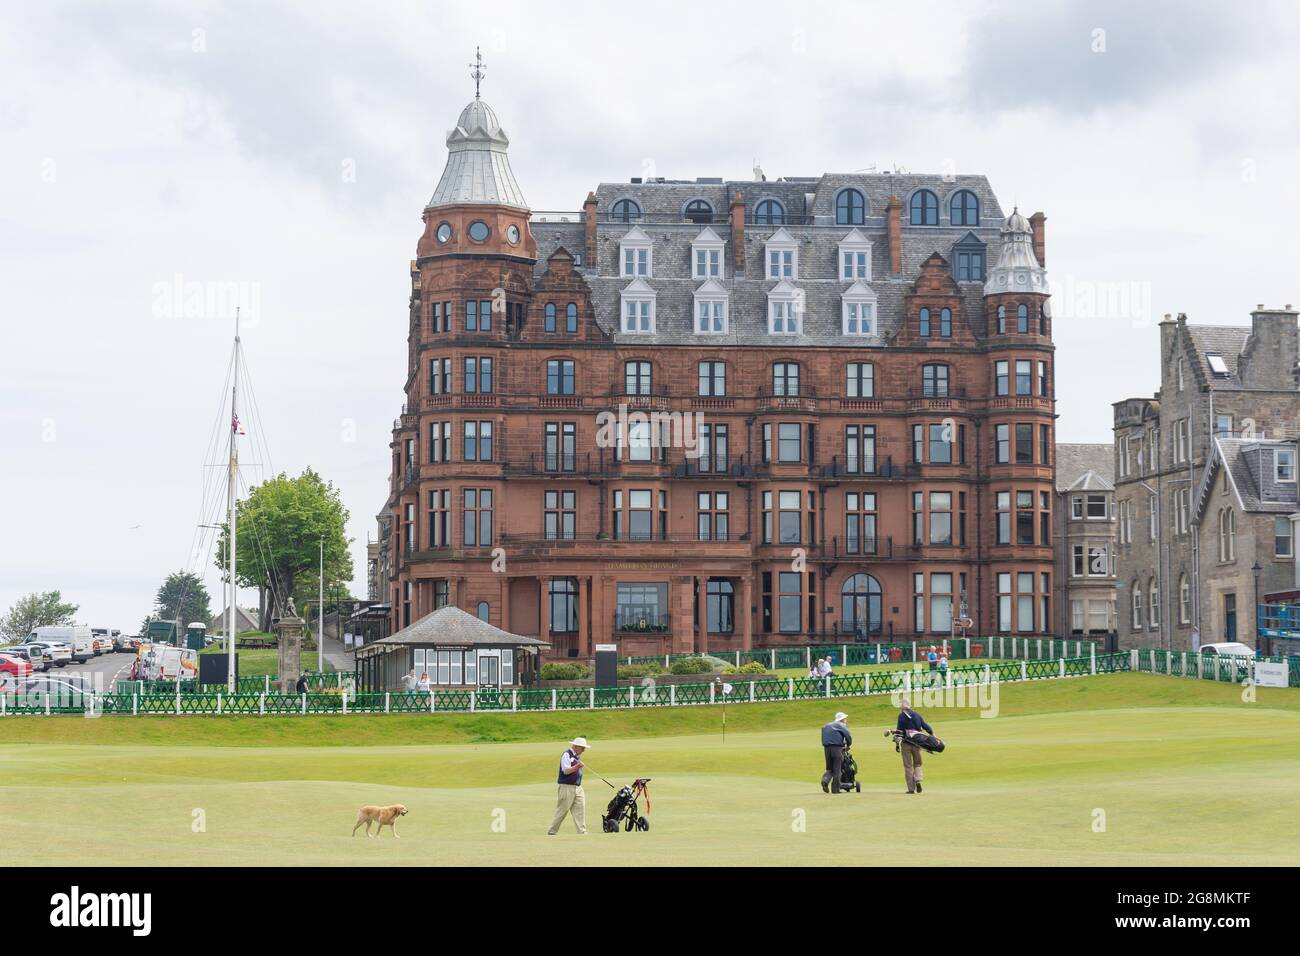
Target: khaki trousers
x=570 y=799
x=911 y=765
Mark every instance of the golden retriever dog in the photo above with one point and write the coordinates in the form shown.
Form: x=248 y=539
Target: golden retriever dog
x=384 y=816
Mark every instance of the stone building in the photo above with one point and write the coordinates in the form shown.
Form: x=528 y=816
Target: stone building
x=1223 y=389
x=1084 y=520
x=717 y=414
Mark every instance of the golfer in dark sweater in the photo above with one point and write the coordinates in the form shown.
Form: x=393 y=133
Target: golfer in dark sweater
x=835 y=737
x=910 y=720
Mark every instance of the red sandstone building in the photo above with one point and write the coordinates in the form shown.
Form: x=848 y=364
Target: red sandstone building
x=832 y=400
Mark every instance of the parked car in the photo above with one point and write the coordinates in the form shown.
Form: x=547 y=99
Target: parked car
x=77 y=637
x=13 y=668
x=33 y=654
x=1228 y=649
x=103 y=645
x=52 y=654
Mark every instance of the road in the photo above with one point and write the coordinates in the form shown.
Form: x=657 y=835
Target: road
x=106 y=668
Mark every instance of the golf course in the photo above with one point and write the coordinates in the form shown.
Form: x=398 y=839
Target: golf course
x=1117 y=769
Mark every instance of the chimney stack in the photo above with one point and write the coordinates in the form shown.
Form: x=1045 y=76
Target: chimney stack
x=737 y=233
x=894 y=227
x=1037 y=224
x=589 y=224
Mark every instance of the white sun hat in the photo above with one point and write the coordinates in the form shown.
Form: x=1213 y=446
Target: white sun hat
x=580 y=742
x=841 y=716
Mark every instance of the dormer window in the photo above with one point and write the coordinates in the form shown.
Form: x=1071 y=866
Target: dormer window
x=785 y=310
x=636 y=249
x=924 y=208
x=706 y=255
x=697 y=210
x=711 y=309
x=1217 y=365
x=858 y=310
x=782 y=256
x=964 y=208
x=855 y=257
x=625 y=210
x=769 y=212
x=850 y=208
x=638 y=308
x=968 y=259
x=1284 y=465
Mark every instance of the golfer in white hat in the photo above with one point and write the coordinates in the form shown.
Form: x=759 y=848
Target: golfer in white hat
x=570 y=797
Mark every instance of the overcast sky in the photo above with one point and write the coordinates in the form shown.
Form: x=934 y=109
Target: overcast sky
x=290 y=149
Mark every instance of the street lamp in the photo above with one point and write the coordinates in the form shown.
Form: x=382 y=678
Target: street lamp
x=1255 y=570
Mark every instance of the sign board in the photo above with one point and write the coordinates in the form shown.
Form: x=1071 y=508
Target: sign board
x=606 y=665
x=1271 y=674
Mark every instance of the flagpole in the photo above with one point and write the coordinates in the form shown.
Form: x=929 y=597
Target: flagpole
x=232 y=478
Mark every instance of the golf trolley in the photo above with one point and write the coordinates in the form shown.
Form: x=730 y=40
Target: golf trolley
x=622 y=810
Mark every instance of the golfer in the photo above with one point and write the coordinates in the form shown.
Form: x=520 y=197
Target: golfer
x=910 y=721
x=835 y=737
x=569 y=796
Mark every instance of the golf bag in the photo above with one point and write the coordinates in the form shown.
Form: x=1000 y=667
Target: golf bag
x=849 y=774
x=927 y=742
x=622 y=810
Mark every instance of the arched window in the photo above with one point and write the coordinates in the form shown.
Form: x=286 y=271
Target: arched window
x=1137 y=605
x=860 y=605
x=925 y=323
x=1022 y=319
x=1184 y=600
x=924 y=208
x=625 y=210
x=1002 y=320
x=850 y=208
x=571 y=318
x=769 y=212
x=698 y=211
x=1153 y=605
x=1227 y=535
x=945 y=323
x=550 y=317
x=483 y=610
x=964 y=208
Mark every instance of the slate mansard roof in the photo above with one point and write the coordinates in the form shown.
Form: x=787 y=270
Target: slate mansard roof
x=809 y=206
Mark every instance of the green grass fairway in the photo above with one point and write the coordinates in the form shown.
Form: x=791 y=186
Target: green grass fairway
x=1185 y=772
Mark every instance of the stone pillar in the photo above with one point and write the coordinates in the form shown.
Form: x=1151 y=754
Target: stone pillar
x=290 y=630
x=505 y=604
x=702 y=615
x=746 y=612
x=544 y=608
x=584 y=619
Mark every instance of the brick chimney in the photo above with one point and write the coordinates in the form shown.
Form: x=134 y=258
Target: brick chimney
x=589 y=223
x=737 y=233
x=894 y=226
x=1037 y=223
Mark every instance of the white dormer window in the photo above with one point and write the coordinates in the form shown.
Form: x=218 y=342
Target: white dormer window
x=855 y=258
x=636 y=250
x=858 y=310
x=706 y=255
x=711 y=308
x=782 y=251
x=1284 y=465
x=638 y=308
x=785 y=310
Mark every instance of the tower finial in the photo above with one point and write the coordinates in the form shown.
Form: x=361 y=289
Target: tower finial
x=477 y=73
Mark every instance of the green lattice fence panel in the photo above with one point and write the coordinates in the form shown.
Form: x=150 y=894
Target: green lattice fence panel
x=848 y=685
x=771 y=689
x=692 y=693
x=1077 y=666
x=1036 y=670
x=571 y=698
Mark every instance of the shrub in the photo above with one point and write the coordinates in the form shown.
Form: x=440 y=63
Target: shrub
x=693 y=665
x=636 y=671
x=562 y=670
x=753 y=667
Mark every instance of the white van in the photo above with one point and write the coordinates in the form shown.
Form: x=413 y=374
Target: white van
x=76 y=636
x=165 y=662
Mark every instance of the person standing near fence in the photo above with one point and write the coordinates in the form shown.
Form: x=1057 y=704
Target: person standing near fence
x=570 y=797
x=909 y=721
x=835 y=737
x=302 y=686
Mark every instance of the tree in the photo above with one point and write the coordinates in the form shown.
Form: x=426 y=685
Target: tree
x=34 y=610
x=182 y=597
x=281 y=523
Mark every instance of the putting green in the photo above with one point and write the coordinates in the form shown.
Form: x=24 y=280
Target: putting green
x=1183 y=771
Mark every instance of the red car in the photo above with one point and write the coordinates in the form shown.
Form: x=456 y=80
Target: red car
x=13 y=669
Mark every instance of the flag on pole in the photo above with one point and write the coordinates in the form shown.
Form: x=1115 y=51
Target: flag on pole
x=726 y=689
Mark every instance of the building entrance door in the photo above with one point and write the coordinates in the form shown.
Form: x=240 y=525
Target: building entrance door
x=1230 y=617
x=489 y=671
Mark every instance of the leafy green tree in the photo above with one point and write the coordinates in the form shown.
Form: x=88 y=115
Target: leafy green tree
x=183 y=597
x=46 y=609
x=281 y=524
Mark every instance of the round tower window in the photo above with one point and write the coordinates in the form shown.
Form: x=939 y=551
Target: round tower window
x=478 y=230
x=513 y=235
x=444 y=232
